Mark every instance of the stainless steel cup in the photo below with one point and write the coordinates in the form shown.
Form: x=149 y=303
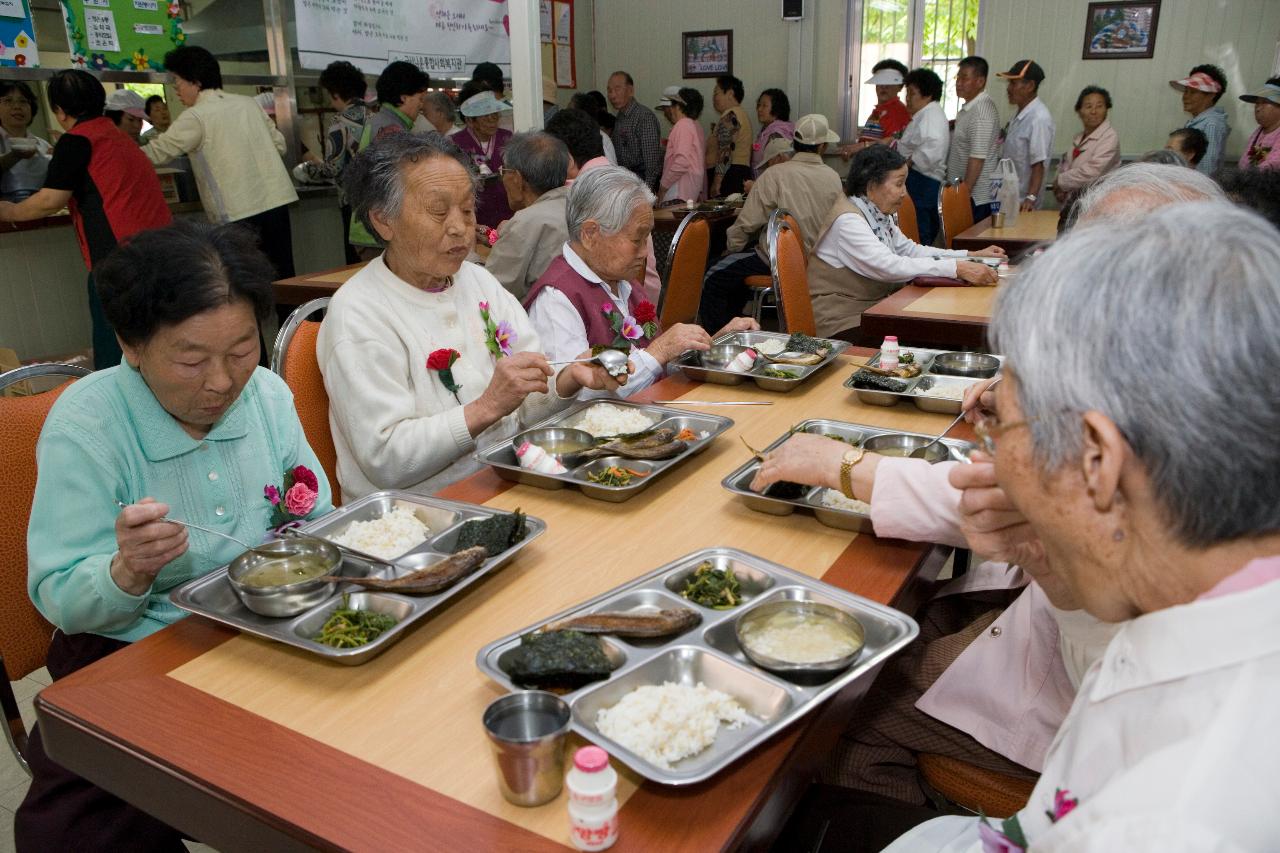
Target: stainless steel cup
x=997 y=220
x=527 y=731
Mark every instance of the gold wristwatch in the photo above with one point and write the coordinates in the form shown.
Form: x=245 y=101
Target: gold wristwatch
x=851 y=457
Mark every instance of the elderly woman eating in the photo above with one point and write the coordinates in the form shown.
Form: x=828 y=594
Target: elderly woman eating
x=188 y=425
x=861 y=256
x=1141 y=521
x=424 y=354
x=586 y=297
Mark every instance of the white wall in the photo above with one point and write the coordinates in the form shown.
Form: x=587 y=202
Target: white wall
x=1237 y=35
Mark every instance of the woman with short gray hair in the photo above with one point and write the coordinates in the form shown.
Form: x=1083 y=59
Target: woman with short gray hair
x=588 y=296
x=439 y=112
x=423 y=354
x=1147 y=514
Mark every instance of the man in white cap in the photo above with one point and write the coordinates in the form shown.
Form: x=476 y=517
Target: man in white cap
x=126 y=110
x=1028 y=139
x=805 y=187
x=1201 y=90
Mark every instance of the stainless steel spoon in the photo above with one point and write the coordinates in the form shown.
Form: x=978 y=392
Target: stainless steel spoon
x=254 y=548
x=613 y=361
x=923 y=452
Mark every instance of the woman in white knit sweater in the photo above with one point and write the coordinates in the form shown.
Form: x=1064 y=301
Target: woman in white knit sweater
x=402 y=417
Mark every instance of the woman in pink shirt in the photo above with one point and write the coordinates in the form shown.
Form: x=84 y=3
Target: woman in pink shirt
x=683 y=176
x=1263 y=150
x=1094 y=151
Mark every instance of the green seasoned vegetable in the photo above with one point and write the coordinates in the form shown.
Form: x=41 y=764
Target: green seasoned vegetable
x=349 y=629
x=496 y=534
x=906 y=358
x=712 y=587
x=559 y=659
x=775 y=373
x=800 y=342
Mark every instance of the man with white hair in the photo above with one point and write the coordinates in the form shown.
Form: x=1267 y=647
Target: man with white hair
x=1131 y=192
x=586 y=297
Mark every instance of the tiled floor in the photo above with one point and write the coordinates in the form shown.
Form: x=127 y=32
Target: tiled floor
x=13 y=779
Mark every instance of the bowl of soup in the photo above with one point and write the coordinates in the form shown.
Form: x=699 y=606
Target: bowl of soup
x=800 y=637
x=283 y=578
x=901 y=445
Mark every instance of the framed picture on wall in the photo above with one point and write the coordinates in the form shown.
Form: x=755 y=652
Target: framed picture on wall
x=1121 y=30
x=707 y=53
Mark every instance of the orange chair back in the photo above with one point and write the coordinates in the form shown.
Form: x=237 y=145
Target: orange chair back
x=907 y=219
x=301 y=372
x=688 y=266
x=957 y=215
x=24 y=633
x=791 y=279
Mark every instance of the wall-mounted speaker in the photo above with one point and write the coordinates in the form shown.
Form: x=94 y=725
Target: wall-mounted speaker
x=792 y=10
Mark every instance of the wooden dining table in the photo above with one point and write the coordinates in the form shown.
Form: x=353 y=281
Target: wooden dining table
x=1032 y=228
x=248 y=744
x=934 y=317
x=300 y=289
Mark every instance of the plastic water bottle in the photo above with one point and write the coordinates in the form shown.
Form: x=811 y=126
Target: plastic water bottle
x=889 y=353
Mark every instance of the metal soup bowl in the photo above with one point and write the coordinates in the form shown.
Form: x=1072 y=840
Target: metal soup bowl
x=897 y=444
x=976 y=364
x=721 y=355
x=286 y=599
x=810 y=609
x=561 y=443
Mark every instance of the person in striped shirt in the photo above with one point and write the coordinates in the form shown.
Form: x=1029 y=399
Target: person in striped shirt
x=1201 y=90
x=974 y=152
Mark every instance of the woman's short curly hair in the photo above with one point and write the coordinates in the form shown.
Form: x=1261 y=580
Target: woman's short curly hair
x=870 y=167
x=165 y=276
x=344 y=80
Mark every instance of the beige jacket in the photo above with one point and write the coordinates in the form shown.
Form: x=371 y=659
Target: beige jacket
x=804 y=185
x=839 y=294
x=529 y=241
x=235 y=152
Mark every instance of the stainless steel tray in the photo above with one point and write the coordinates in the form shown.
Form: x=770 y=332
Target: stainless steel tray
x=502 y=457
x=918 y=387
x=739 y=480
x=211 y=596
x=690 y=363
x=710 y=653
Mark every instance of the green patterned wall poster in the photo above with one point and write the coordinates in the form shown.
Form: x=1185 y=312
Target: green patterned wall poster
x=122 y=35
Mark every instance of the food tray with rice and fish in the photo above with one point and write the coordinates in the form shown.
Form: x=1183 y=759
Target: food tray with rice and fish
x=830 y=506
x=403 y=556
x=611 y=449
x=775 y=361
x=677 y=687
x=934 y=380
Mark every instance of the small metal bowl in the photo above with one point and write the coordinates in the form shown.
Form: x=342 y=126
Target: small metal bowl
x=897 y=444
x=975 y=364
x=721 y=355
x=811 y=609
x=560 y=443
x=285 y=599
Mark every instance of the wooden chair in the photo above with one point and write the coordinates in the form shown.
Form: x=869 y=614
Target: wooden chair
x=907 y=219
x=762 y=285
x=790 y=276
x=954 y=211
x=687 y=264
x=986 y=791
x=24 y=633
x=294 y=358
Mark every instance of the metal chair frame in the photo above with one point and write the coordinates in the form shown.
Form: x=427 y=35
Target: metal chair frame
x=761 y=293
x=15 y=731
x=777 y=223
x=285 y=336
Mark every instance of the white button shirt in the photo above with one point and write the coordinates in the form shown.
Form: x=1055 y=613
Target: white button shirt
x=925 y=141
x=1028 y=141
x=1170 y=744
x=851 y=243
x=564 y=334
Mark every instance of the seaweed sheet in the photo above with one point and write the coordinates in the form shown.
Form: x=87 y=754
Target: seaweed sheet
x=561 y=659
x=496 y=534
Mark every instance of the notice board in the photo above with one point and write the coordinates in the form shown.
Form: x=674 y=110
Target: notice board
x=122 y=35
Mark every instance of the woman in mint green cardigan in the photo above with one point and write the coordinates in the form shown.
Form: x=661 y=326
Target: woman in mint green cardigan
x=187 y=424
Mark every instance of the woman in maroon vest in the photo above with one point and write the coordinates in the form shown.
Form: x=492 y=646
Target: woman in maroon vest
x=588 y=297
x=103 y=178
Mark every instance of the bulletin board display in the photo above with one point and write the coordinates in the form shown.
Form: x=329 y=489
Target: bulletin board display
x=122 y=35
x=17 y=35
x=556 y=23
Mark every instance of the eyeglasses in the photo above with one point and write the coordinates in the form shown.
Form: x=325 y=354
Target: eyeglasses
x=503 y=171
x=989 y=428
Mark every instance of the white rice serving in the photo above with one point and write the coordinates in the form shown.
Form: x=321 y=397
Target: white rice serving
x=667 y=722
x=945 y=389
x=833 y=499
x=387 y=537
x=605 y=419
